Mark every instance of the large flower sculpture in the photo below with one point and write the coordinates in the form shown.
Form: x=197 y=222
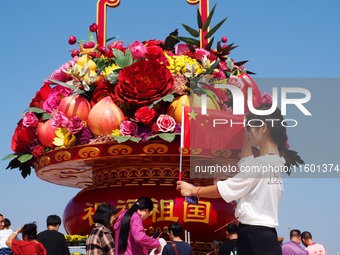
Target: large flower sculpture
x=119 y=93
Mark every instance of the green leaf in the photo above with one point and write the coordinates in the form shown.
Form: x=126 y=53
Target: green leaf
x=14 y=163
x=46 y=116
x=35 y=110
x=199 y=18
x=25 y=157
x=240 y=63
x=101 y=63
x=167 y=136
x=135 y=139
x=228 y=48
x=91 y=37
x=191 y=31
x=25 y=170
x=123 y=60
x=211 y=94
x=230 y=64
x=208 y=46
x=214 y=29
x=219 y=47
x=121 y=139
x=207 y=22
x=12 y=155
x=62 y=84
x=168 y=98
x=111 y=38
x=190 y=41
x=113 y=77
x=212 y=67
x=118 y=53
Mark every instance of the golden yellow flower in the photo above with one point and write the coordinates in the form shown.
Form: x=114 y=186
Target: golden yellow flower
x=182 y=64
x=64 y=138
x=116 y=132
x=110 y=69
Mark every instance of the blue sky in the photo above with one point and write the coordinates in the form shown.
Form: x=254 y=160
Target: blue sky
x=281 y=39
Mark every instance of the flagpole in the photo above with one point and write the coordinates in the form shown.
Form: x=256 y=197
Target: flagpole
x=181 y=146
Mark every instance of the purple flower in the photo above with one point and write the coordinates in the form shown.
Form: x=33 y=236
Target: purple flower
x=75 y=125
x=30 y=120
x=128 y=128
x=59 y=119
x=84 y=136
x=144 y=132
x=177 y=128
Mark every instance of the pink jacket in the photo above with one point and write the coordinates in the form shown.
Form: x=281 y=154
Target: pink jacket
x=138 y=241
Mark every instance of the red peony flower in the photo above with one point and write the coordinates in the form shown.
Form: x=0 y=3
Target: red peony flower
x=22 y=137
x=145 y=115
x=143 y=82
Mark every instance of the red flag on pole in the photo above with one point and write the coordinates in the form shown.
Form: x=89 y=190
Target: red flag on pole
x=217 y=129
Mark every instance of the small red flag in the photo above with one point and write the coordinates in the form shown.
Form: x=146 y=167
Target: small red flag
x=217 y=129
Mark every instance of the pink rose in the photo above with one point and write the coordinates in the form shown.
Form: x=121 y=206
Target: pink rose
x=54 y=98
x=200 y=53
x=75 y=125
x=128 y=128
x=145 y=115
x=119 y=45
x=236 y=81
x=181 y=49
x=166 y=123
x=138 y=50
x=59 y=119
x=30 y=120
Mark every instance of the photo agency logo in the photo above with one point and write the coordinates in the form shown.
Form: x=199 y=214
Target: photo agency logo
x=304 y=96
x=219 y=132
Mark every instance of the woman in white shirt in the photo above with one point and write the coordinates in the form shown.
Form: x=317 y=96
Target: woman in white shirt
x=257 y=187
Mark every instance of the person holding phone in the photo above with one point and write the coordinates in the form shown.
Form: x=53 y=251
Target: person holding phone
x=258 y=193
x=130 y=236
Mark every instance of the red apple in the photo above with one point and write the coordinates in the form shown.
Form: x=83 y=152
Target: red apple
x=46 y=133
x=104 y=117
x=75 y=105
